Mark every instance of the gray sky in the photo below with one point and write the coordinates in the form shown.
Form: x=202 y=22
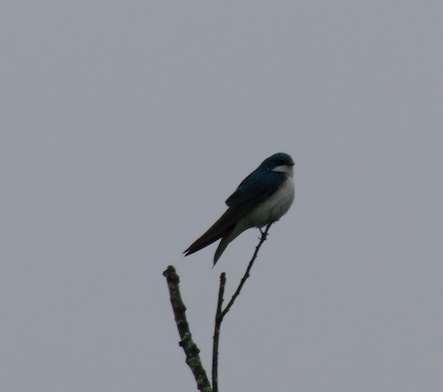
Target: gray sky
x=126 y=125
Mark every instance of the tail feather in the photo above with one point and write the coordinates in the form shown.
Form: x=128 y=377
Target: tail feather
x=201 y=243
x=221 y=247
x=218 y=230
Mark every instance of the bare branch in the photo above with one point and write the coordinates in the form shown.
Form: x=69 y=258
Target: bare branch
x=218 y=321
x=190 y=348
x=246 y=275
x=220 y=314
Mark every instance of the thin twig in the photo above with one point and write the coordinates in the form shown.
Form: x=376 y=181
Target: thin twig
x=190 y=348
x=218 y=321
x=220 y=314
x=246 y=275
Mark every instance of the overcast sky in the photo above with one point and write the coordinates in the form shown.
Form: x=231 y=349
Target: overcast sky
x=125 y=125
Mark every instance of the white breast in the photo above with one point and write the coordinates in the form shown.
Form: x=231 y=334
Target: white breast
x=273 y=208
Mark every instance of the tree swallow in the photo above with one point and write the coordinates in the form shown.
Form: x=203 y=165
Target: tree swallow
x=261 y=199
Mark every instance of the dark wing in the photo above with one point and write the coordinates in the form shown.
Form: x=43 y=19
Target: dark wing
x=254 y=189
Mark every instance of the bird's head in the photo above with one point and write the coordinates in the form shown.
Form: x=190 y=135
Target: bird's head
x=279 y=162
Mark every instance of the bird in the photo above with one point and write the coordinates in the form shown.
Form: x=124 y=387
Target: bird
x=261 y=199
